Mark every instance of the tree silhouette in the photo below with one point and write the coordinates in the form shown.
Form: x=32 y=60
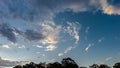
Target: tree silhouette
x=18 y=66
x=54 y=65
x=41 y=65
x=83 y=67
x=94 y=66
x=65 y=63
x=104 y=66
x=117 y=65
x=69 y=63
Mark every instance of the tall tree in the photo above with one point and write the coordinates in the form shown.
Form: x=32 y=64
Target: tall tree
x=69 y=63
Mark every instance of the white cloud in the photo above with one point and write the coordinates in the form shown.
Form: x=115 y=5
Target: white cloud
x=73 y=30
x=51 y=32
x=18 y=45
x=60 y=54
x=108 y=58
x=38 y=46
x=4 y=46
x=66 y=50
x=50 y=48
x=21 y=46
x=87 y=48
x=106 y=7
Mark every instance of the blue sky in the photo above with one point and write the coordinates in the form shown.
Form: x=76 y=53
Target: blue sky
x=47 y=31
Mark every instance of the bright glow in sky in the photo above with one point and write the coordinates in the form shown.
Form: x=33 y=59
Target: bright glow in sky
x=48 y=30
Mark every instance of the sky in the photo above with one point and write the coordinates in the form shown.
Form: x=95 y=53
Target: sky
x=88 y=31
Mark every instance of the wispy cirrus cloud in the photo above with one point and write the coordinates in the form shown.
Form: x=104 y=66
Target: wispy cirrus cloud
x=86 y=32
x=108 y=58
x=66 y=50
x=88 y=47
x=73 y=30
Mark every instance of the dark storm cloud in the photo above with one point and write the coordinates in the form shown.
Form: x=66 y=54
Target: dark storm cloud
x=33 y=35
x=8 y=32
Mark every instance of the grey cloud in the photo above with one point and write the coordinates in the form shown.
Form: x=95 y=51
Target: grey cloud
x=9 y=63
x=7 y=31
x=39 y=9
x=33 y=10
x=16 y=9
x=12 y=33
x=33 y=35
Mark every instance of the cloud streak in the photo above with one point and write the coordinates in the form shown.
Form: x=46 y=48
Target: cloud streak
x=9 y=63
x=73 y=30
x=66 y=50
x=50 y=47
x=88 y=47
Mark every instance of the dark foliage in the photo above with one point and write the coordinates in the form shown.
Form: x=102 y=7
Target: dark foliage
x=117 y=65
x=103 y=66
x=65 y=63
